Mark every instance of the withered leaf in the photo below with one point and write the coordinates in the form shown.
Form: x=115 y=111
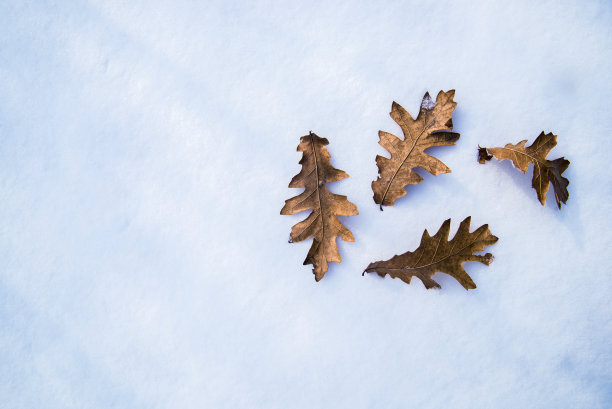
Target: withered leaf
x=432 y=127
x=544 y=171
x=437 y=254
x=322 y=223
x=483 y=155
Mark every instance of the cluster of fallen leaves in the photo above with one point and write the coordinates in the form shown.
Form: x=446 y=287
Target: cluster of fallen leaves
x=432 y=127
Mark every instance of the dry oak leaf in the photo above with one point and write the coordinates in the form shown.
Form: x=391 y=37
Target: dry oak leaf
x=437 y=254
x=432 y=127
x=544 y=171
x=321 y=223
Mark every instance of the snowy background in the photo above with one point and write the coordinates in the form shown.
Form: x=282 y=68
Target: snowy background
x=145 y=152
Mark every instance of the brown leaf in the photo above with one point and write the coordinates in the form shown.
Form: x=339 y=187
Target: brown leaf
x=321 y=223
x=544 y=171
x=437 y=254
x=431 y=128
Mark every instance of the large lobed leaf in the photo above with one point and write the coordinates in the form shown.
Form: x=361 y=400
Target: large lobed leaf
x=321 y=223
x=432 y=127
x=438 y=254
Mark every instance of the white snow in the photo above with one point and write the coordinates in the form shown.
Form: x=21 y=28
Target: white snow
x=427 y=103
x=145 y=152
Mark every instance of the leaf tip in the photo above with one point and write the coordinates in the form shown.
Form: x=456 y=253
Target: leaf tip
x=483 y=155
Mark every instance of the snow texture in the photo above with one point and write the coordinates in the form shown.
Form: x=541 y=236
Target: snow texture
x=427 y=104
x=145 y=152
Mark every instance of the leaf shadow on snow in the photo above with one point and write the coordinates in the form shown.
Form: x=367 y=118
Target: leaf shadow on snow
x=568 y=216
x=448 y=283
x=475 y=269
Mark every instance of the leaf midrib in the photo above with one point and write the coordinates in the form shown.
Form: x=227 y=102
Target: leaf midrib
x=316 y=160
x=434 y=262
x=405 y=158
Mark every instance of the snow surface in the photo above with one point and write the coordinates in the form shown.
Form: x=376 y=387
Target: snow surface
x=145 y=152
